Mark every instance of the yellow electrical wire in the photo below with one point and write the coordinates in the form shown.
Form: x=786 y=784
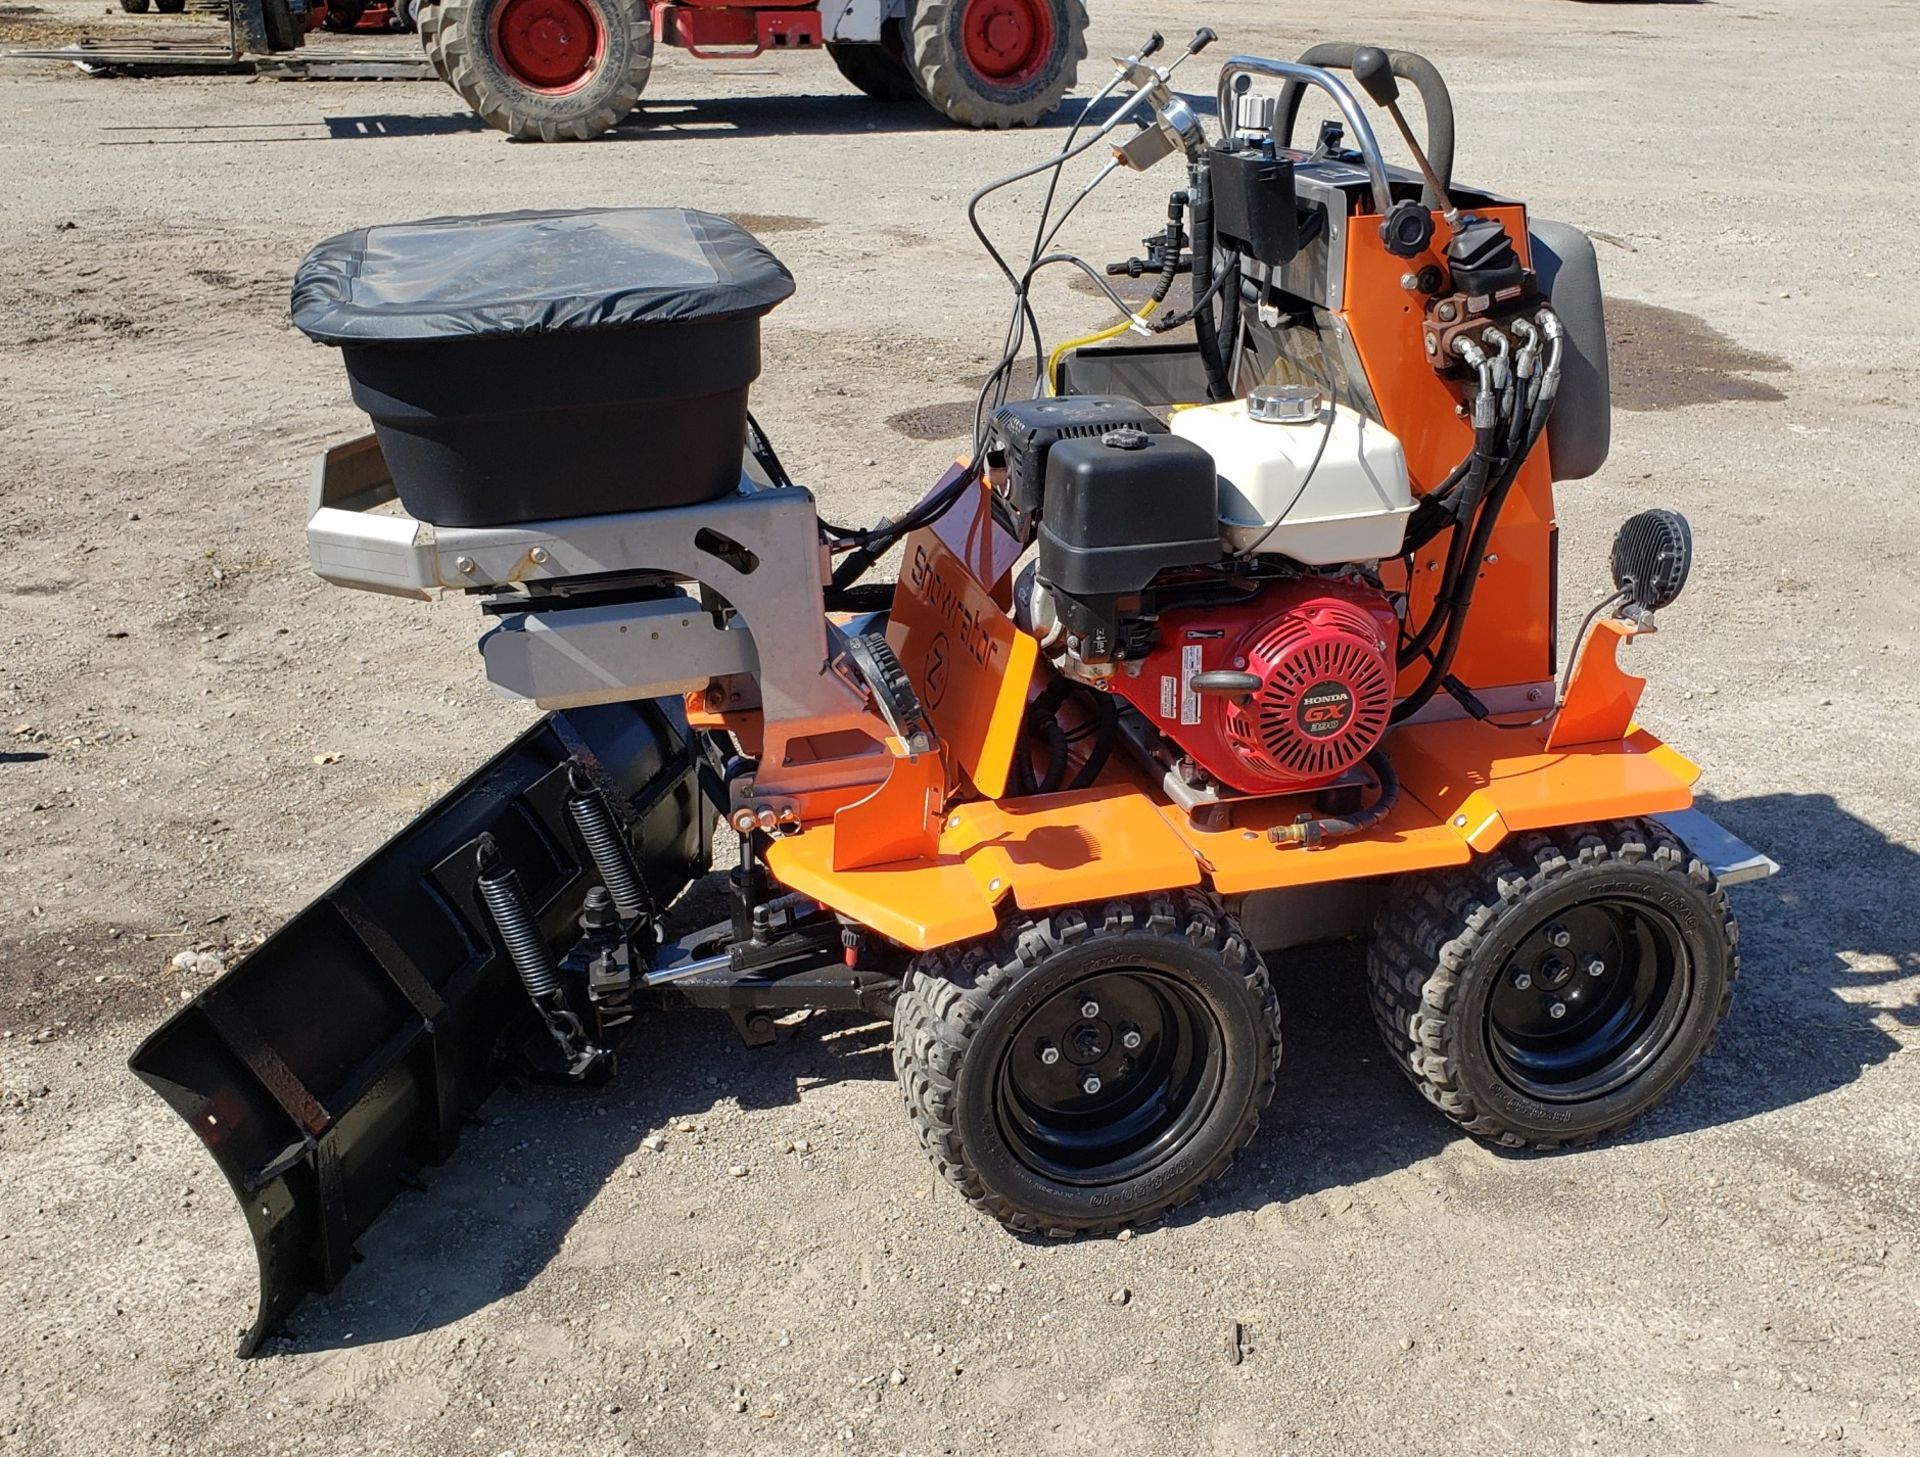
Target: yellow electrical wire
x=1053 y=359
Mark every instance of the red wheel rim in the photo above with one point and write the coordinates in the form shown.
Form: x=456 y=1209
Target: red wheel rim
x=548 y=45
x=1007 y=42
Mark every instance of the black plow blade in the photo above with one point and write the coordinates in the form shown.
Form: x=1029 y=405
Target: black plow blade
x=324 y=1070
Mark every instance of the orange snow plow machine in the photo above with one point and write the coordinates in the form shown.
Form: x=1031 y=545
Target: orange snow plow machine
x=1239 y=635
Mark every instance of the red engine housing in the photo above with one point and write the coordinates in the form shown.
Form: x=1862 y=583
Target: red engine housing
x=1323 y=651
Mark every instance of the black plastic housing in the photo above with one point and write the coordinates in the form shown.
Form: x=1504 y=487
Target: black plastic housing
x=1254 y=207
x=1118 y=515
x=1029 y=429
x=493 y=431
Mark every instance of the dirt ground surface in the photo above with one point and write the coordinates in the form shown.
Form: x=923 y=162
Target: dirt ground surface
x=196 y=735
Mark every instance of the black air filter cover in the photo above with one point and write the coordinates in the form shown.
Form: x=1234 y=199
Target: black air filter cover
x=1029 y=429
x=1124 y=508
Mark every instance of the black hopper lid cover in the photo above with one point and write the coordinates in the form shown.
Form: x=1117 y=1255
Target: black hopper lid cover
x=522 y=273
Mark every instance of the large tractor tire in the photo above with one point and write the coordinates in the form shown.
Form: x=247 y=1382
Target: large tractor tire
x=1553 y=991
x=878 y=70
x=996 y=63
x=426 y=19
x=542 y=70
x=1092 y=1068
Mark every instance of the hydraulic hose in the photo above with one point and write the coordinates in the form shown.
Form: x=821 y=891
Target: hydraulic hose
x=1459 y=595
x=1461 y=498
x=1104 y=736
x=1309 y=830
x=1201 y=191
x=1043 y=718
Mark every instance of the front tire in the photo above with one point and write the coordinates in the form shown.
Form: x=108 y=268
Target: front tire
x=996 y=63
x=1090 y=1069
x=1551 y=992
x=542 y=70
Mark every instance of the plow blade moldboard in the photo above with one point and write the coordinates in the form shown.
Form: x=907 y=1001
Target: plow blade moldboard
x=326 y=1068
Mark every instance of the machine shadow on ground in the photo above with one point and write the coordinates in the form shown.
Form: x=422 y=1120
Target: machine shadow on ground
x=659 y=118
x=1818 y=942
x=394 y=126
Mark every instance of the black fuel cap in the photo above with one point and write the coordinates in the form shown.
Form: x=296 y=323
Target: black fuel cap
x=1126 y=440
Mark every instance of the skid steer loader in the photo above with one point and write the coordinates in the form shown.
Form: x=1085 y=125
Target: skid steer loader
x=1239 y=636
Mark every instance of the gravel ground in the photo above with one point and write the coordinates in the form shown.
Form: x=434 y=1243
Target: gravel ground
x=195 y=735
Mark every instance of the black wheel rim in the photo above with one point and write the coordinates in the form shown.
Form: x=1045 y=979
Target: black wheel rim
x=1621 y=977
x=1103 y=1098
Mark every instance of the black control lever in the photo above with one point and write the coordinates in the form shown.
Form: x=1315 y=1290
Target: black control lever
x=1152 y=47
x=1373 y=69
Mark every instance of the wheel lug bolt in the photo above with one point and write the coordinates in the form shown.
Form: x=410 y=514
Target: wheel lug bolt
x=1130 y=1038
x=1557 y=1011
x=1596 y=967
x=1049 y=1054
x=1559 y=936
x=1090 y=1084
x=1089 y=1008
x=1522 y=980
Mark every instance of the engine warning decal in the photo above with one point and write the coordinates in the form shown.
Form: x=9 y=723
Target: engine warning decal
x=1189 y=697
x=1169 y=697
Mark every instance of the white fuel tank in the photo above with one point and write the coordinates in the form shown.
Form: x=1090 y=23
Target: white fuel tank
x=1352 y=506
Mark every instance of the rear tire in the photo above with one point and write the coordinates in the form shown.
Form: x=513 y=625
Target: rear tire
x=994 y=1049
x=1467 y=966
x=135 y=7
x=542 y=70
x=342 y=15
x=878 y=70
x=170 y=7
x=996 y=63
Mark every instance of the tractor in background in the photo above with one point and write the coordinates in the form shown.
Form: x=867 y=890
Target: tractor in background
x=558 y=70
